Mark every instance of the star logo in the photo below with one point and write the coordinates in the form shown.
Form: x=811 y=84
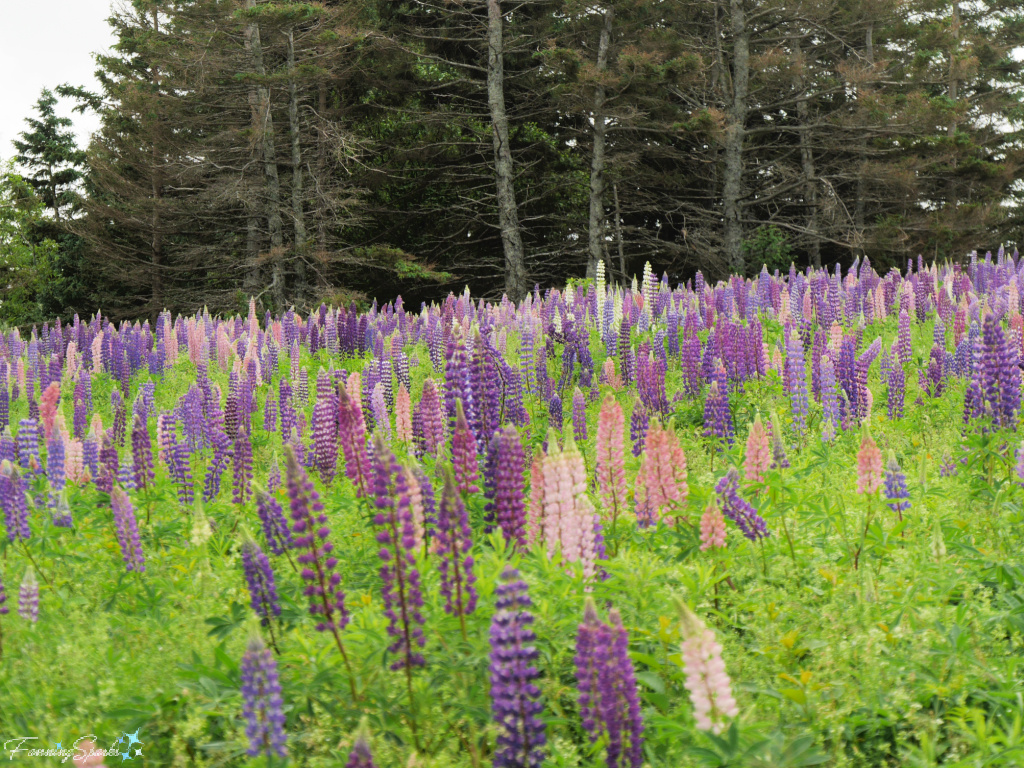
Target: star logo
x=125 y=756
x=130 y=739
x=57 y=744
x=133 y=738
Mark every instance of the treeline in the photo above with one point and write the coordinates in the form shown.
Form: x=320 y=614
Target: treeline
x=307 y=151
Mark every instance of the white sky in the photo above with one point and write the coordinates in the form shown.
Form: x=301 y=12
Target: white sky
x=44 y=43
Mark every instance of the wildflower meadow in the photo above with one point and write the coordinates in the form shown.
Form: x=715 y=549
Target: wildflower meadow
x=766 y=522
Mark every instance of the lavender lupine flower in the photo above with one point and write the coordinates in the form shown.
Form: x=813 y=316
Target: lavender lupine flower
x=142 y=453
x=1019 y=468
x=13 y=502
x=109 y=466
x=515 y=698
x=274 y=476
x=738 y=509
x=241 y=486
x=403 y=598
x=261 y=701
x=797 y=382
x=379 y=407
x=609 y=703
x=717 y=416
x=310 y=532
x=8 y=448
x=273 y=522
x=259 y=577
x=829 y=400
x=270 y=412
x=55 y=463
x=896 y=487
x=127 y=531
x=504 y=485
x=28 y=597
x=325 y=429
x=360 y=756
x=28 y=446
x=896 y=391
x=454 y=541
x=579 y=416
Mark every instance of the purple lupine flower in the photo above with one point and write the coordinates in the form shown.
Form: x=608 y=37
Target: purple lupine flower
x=1019 y=467
x=273 y=522
x=120 y=409
x=556 y=415
x=609 y=703
x=639 y=421
x=28 y=597
x=274 y=476
x=310 y=532
x=270 y=412
x=180 y=465
x=896 y=390
x=127 y=531
x=904 y=348
x=738 y=509
x=400 y=579
x=142 y=453
x=325 y=429
x=454 y=541
x=241 y=485
x=797 y=382
x=504 y=485
x=896 y=487
x=515 y=697
x=13 y=502
x=55 y=463
x=430 y=428
x=259 y=577
x=486 y=390
x=464 y=457
x=829 y=400
x=28 y=446
x=360 y=755
x=8 y=448
x=379 y=408
x=289 y=418
x=717 y=416
x=579 y=416
x=80 y=419
x=109 y=465
x=261 y=701
x=1000 y=378
x=222 y=454
x=352 y=434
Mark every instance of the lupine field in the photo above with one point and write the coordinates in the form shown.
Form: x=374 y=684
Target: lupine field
x=768 y=522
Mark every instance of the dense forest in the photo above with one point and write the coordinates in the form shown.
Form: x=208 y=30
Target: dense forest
x=348 y=149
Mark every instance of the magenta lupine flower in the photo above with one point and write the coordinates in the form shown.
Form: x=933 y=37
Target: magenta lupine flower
x=464 y=458
x=505 y=485
x=352 y=435
x=579 y=416
x=108 y=465
x=127 y=531
x=273 y=522
x=13 y=502
x=609 y=703
x=403 y=598
x=515 y=697
x=454 y=542
x=310 y=532
x=142 y=453
x=28 y=597
x=259 y=577
x=261 y=701
x=738 y=509
x=431 y=433
x=241 y=486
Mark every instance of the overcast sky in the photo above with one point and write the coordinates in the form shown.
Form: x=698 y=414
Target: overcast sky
x=44 y=43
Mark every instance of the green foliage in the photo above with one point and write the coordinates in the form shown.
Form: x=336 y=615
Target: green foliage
x=769 y=247
x=26 y=262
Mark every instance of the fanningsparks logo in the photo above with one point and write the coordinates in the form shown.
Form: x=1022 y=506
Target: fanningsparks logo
x=83 y=751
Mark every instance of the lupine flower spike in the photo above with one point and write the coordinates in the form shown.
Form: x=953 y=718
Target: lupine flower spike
x=707 y=681
x=261 y=701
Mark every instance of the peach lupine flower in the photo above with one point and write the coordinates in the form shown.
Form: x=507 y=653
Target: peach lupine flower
x=869 y=466
x=712 y=527
x=757 y=458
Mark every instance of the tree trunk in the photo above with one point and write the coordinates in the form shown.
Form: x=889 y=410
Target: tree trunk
x=297 y=214
x=263 y=126
x=618 y=232
x=954 y=95
x=860 y=204
x=508 y=214
x=596 y=223
x=157 y=244
x=807 y=159
x=732 y=188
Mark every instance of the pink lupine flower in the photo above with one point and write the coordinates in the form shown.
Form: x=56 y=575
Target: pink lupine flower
x=611 y=463
x=535 y=512
x=706 y=678
x=48 y=407
x=403 y=415
x=869 y=466
x=609 y=374
x=758 y=455
x=464 y=458
x=712 y=527
x=415 y=506
x=662 y=475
